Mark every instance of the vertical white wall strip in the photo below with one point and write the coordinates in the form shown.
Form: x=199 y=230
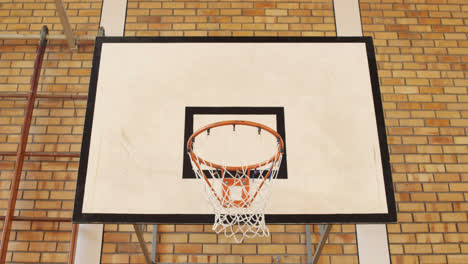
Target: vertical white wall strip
x=372 y=244
x=89 y=244
x=372 y=239
x=347 y=18
x=113 y=17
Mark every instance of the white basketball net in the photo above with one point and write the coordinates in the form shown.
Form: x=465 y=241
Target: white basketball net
x=238 y=195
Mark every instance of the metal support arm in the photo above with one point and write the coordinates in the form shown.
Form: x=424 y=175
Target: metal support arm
x=141 y=241
x=154 y=243
x=67 y=30
x=324 y=232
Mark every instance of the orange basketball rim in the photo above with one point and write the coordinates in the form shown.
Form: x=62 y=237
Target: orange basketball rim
x=197 y=160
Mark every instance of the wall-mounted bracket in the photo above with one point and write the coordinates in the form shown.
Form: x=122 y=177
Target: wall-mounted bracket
x=324 y=232
x=141 y=241
x=67 y=30
x=101 y=32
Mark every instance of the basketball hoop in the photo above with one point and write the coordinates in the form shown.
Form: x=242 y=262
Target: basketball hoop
x=237 y=190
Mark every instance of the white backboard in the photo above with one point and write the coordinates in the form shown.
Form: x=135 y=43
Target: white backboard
x=147 y=95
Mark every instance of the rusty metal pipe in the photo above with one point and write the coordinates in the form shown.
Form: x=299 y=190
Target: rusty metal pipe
x=59 y=96
x=73 y=239
x=8 y=36
x=22 y=146
x=44 y=96
x=39 y=219
x=53 y=154
x=45 y=154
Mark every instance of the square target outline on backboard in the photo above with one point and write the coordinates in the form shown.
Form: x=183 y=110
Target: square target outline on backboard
x=190 y=112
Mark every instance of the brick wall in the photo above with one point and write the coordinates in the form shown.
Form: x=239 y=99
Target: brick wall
x=27 y=17
x=47 y=184
x=230 y=18
x=422 y=53
x=199 y=244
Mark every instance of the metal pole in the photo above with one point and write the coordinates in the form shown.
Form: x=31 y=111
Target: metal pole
x=22 y=146
x=44 y=96
x=309 y=244
x=44 y=154
x=39 y=219
x=58 y=96
x=7 y=36
x=67 y=30
x=73 y=239
x=155 y=243
x=324 y=231
x=141 y=240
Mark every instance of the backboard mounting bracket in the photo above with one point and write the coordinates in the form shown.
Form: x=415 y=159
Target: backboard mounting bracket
x=324 y=232
x=141 y=240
